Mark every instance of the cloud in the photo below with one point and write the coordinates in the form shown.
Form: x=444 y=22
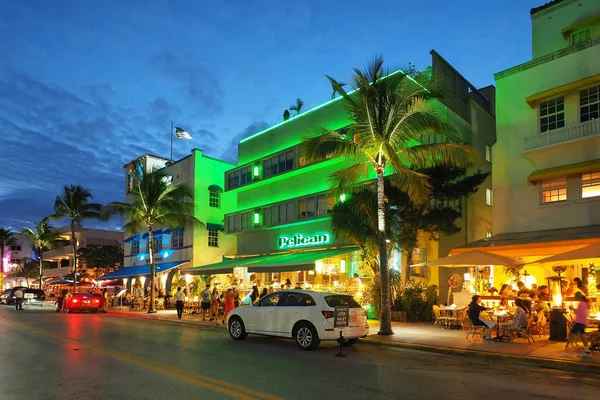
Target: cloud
x=230 y=153
x=52 y=136
x=196 y=82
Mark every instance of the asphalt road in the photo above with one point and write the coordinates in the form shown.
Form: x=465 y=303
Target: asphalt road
x=45 y=355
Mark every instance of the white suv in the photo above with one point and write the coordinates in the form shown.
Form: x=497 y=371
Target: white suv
x=303 y=315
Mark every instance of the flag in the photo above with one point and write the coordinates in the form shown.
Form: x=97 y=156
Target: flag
x=182 y=134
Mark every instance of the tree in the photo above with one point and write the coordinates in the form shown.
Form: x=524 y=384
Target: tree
x=101 y=257
x=449 y=187
x=286 y=115
x=154 y=203
x=29 y=269
x=389 y=116
x=74 y=204
x=298 y=106
x=43 y=237
x=7 y=239
x=334 y=91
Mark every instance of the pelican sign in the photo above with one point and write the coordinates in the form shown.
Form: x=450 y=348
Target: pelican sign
x=287 y=242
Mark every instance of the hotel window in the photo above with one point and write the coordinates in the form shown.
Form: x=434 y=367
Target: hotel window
x=233 y=223
x=246 y=220
x=135 y=247
x=278 y=164
x=580 y=37
x=233 y=180
x=489 y=197
x=554 y=190
x=590 y=185
x=589 y=103
x=279 y=214
x=245 y=175
x=213 y=238
x=313 y=206
x=15 y=248
x=15 y=261
x=488 y=153
x=157 y=242
x=488 y=234
x=552 y=114
x=177 y=238
x=214 y=198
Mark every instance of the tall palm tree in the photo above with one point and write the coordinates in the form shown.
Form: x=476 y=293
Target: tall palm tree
x=43 y=237
x=389 y=115
x=74 y=204
x=154 y=203
x=7 y=239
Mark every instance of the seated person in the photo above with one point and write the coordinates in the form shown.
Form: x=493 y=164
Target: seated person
x=519 y=320
x=503 y=303
x=475 y=309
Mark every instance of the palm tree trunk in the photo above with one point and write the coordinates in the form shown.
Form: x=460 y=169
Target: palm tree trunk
x=385 y=327
x=152 y=269
x=41 y=270
x=74 y=244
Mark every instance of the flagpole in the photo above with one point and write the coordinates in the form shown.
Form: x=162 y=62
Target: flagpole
x=171 y=141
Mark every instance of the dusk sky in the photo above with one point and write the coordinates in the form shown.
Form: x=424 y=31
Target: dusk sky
x=88 y=85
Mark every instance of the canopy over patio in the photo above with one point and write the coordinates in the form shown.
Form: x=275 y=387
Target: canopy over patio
x=588 y=253
x=141 y=270
x=475 y=257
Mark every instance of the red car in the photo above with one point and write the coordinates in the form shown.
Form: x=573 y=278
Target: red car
x=80 y=302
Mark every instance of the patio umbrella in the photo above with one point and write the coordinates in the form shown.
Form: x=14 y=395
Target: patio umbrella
x=475 y=257
x=588 y=253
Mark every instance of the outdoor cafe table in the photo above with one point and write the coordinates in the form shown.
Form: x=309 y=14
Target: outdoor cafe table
x=500 y=317
x=452 y=312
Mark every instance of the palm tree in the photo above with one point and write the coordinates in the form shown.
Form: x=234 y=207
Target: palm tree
x=43 y=237
x=298 y=106
x=154 y=203
x=334 y=90
x=7 y=239
x=389 y=116
x=74 y=204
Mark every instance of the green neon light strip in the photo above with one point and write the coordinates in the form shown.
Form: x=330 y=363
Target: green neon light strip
x=319 y=107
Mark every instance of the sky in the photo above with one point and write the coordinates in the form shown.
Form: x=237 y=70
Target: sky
x=89 y=85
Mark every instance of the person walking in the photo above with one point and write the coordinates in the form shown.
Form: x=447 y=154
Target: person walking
x=179 y=296
x=18 y=299
x=229 y=303
x=205 y=302
x=215 y=304
x=582 y=314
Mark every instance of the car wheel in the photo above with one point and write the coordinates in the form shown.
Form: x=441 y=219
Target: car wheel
x=350 y=342
x=306 y=336
x=236 y=328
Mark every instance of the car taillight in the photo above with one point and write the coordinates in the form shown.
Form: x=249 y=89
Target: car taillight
x=96 y=301
x=74 y=301
x=327 y=314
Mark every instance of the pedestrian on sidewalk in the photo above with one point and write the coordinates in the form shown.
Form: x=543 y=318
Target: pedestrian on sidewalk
x=179 y=296
x=216 y=301
x=18 y=299
x=229 y=303
x=205 y=302
x=582 y=313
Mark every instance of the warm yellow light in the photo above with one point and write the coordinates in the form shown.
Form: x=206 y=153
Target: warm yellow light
x=143 y=280
x=343 y=266
x=557 y=300
x=467 y=276
x=319 y=267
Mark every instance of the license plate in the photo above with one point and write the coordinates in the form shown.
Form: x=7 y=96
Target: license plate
x=353 y=317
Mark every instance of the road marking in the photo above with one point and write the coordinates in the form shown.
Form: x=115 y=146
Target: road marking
x=194 y=378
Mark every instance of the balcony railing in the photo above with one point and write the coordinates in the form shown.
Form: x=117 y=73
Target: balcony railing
x=582 y=130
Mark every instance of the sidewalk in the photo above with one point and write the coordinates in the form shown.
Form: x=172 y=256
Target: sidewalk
x=424 y=336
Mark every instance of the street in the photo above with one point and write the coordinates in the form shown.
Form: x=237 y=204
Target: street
x=46 y=355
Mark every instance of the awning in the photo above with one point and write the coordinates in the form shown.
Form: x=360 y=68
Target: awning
x=215 y=187
x=216 y=227
x=290 y=262
x=533 y=100
x=302 y=261
x=141 y=270
x=475 y=257
x=564 y=170
x=132 y=238
x=588 y=253
x=585 y=21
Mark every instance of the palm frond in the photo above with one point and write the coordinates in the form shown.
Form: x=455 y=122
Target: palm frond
x=345 y=179
x=438 y=154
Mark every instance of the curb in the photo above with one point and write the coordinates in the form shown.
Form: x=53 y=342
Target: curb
x=206 y=324
x=552 y=363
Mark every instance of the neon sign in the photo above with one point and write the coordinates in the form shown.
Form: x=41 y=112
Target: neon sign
x=286 y=242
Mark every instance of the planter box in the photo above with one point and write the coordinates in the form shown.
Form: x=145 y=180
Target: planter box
x=399 y=316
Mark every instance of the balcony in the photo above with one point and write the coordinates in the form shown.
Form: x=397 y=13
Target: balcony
x=63 y=252
x=579 y=131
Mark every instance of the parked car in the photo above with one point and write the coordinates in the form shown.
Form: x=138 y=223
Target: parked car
x=306 y=316
x=4 y=295
x=79 y=301
x=37 y=294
